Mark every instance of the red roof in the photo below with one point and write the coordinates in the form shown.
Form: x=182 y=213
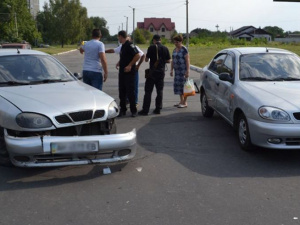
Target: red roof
x=156 y=23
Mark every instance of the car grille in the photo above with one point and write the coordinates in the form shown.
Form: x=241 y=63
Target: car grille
x=292 y=141
x=297 y=115
x=79 y=116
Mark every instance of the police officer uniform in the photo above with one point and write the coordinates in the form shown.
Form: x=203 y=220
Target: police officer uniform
x=127 y=79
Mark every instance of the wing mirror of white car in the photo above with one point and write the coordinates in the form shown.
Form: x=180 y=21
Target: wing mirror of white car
x=78 y=76
x=226 y=77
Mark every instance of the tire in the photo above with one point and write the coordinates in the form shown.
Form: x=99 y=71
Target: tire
x=207 y=111
x=243 y=133
x=4 y=157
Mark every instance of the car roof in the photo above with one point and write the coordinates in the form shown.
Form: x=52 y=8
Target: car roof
x=251 y=50
x=11 y=51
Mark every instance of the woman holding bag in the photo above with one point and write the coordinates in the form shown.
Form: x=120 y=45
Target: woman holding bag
x=181 y=65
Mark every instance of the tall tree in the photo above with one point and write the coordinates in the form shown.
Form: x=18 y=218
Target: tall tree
x=16 y=22
x=100 y=23
x=275 y=31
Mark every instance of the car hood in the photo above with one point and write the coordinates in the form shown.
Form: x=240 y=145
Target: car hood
x=55 y=98
x=277 y=94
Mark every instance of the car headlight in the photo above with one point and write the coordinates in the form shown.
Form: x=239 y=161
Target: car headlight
x=33 y=120
x=113 y=110
x=271 y=113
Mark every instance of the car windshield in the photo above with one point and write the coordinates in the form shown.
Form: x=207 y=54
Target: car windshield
x=269 y=67
x=31 y=69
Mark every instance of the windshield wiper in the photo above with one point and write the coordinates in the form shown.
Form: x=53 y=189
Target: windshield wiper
x=256 y=78
x=286 y=79
x=15 y=82
x=47 y=81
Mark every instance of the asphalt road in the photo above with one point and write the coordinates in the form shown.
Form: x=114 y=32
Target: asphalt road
x=188 y=170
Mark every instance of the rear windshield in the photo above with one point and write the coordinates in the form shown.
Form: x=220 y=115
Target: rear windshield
x=269 y=66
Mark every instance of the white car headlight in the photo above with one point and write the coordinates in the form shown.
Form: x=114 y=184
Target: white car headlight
x=33 y=120
x=113 y=110
x=271 y=113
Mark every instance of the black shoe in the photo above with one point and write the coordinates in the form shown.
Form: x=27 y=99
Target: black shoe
x=122 y=114
x=133 y=114
x=143 y=113
x=156 y=111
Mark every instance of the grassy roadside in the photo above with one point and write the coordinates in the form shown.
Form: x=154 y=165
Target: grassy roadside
x=199 y=55
x=52 y=50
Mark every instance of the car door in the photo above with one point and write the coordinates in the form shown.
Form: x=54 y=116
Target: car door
x=211 y=79
x=224 y=94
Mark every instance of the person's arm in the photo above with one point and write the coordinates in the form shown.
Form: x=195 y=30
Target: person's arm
x=133 y=61
x=110 y=50
x=171 y=72
x=140 y=61
x=187 y=63
x=81 y=50
x=104 y=65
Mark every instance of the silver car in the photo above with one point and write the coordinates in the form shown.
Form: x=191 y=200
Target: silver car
x=256 y=90
x=50 y=118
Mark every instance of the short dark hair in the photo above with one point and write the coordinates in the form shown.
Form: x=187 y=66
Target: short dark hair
x=156 y=37
x=96 y=33
x=122 y=33
x=178 y=38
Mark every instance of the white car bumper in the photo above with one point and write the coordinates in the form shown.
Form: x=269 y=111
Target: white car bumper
x=39 y=151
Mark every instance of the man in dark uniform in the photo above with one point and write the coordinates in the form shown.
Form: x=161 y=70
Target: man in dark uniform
x=157 y=71
x=129 y=55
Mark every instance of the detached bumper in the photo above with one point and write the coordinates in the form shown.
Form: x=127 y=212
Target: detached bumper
x=37 y=151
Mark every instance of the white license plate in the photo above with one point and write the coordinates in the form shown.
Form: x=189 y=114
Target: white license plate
x=74 y=147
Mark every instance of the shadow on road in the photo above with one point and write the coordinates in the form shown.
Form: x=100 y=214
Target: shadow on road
x=14 y=178
x=210 y=147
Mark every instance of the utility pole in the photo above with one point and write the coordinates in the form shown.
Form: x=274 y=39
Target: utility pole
x=187 y=24
x=217 y=27
x=133 y=23
x=126 y=24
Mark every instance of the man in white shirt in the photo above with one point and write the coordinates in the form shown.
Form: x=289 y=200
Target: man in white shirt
x=94 y=72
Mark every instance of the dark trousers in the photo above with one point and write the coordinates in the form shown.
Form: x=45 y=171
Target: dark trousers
x=157 y=80
x=127 y=89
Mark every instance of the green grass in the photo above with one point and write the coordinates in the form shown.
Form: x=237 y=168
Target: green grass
x=199 y=55
x=57 y=49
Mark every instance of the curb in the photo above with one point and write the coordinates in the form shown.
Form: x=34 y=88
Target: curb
x=61 y=53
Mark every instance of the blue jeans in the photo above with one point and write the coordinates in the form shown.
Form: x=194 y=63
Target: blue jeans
x=136 y=87
x=92 y=78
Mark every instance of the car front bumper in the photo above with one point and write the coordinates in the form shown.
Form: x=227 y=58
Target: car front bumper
x=261 y=132
x=37 y=151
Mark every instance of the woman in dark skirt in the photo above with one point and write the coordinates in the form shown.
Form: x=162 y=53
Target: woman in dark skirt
x=181 y=65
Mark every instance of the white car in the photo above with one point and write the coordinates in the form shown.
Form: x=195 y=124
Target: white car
x=50 y=118
x=256 y=90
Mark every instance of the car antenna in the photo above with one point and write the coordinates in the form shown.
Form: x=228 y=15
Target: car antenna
x=18 y=51
x=267 y=50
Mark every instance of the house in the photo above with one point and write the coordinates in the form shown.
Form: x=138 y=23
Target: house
x=249 y=33
x=161 y=26
x=291 y=38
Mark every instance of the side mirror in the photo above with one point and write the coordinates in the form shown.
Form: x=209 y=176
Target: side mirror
x=78 y=76
x=226 y=77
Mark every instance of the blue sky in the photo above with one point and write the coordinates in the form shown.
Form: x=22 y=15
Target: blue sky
x=227 y=14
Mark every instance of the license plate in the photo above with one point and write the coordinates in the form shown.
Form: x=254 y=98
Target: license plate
x=74 y=147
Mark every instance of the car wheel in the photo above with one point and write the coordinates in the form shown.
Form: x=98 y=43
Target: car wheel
x=4 y=157
x=243 y=133
x=207 y=111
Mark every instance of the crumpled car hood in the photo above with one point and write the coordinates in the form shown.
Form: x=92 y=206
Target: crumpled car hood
x=56 y=98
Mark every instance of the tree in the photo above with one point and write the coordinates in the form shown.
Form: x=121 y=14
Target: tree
x=274 y=31
x=138 y=37
x=100 y=23
x=16 y=22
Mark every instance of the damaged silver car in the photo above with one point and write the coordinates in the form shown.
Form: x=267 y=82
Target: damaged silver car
x=48 y=117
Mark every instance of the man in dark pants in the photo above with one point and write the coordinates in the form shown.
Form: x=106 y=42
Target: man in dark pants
x=129 y=55
x=157 y=68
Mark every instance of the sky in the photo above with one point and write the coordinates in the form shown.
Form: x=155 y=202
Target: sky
x=222 y=15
